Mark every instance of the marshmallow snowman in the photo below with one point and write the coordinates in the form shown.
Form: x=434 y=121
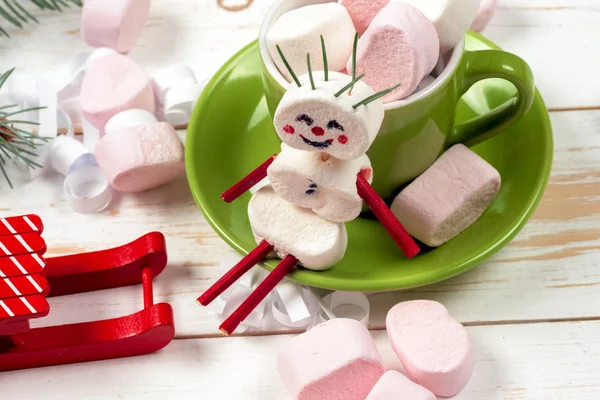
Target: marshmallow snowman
x=327 y=187
x=318 y=180
x=329 y=119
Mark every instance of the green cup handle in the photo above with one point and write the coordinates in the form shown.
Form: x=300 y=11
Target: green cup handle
x=486 y=64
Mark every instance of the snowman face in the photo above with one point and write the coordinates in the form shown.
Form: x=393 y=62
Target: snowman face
x=326 y=187
x=318 y=121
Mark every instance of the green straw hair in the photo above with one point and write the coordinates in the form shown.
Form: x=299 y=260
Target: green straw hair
x=287 y=65
x=310 y=74
x=325 y=64
x=348 y=86
x=354 y=51
x=374 y=97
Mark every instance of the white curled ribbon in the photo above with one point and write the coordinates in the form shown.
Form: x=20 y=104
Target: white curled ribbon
x=176 y=90
x=290 y=305
x=85 y=187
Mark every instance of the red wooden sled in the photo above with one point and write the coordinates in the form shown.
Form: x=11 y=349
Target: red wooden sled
x=26 y=278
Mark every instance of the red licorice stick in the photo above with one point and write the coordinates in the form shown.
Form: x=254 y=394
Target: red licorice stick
x=285 y=266
x=235 y=273
x=386 y=217
x=250 y=180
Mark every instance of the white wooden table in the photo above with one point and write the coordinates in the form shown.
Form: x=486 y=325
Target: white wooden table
x=532 y=309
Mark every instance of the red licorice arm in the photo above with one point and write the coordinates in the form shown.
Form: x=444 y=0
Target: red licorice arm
x=247 y=182
x=386 y=217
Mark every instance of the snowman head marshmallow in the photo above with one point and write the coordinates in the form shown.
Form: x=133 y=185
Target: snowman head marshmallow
x=329 y=112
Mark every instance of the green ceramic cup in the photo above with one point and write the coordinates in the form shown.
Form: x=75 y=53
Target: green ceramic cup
x=417 y=130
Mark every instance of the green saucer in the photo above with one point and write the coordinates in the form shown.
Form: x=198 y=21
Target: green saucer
x=231 y=133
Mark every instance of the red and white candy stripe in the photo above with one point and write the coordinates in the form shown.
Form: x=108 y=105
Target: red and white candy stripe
x=22 y=289
x=24 y=307
x=25 y=264
x=22 y=224
x=22 y=244
x=23 y=286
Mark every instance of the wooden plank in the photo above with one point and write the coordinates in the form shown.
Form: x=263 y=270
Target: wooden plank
x=557 y=37
x=552 y=36
x=533 y=362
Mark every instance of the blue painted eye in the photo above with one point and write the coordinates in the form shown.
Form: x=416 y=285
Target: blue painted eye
x=310 y=191
x=313 y=186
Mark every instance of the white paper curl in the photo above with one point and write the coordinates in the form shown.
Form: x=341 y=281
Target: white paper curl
x=290 y=305
x=86 y=188
x=177 y=90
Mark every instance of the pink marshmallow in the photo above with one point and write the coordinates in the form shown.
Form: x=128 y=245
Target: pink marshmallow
x=449 y=197
x=117 y=24
x=395 y=386
x=434 y=348
x=134 y=159
x=401 y=46
x=114 y=83
x=336 y=360
x=486 y=12
x=428 y=80
x=362 y=12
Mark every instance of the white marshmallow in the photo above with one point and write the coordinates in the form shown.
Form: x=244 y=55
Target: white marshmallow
x=486 y=12
x=298 y=32
x=317 y=243
x=129 y=119
x=316 y=120
x=452 y=18
x=328 y=188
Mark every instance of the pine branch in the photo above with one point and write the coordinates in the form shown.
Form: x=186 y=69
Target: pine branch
x=15 y=13
x=16 y=142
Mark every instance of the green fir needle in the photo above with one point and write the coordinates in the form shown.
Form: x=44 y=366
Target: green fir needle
x=310 y=74
x=325 y=64
x=348 y=86
x=374 y=97
x=288 y=66
x=354 y=51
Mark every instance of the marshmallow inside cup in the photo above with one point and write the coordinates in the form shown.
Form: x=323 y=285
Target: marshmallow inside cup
x=298 y=32
x=447 y=64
